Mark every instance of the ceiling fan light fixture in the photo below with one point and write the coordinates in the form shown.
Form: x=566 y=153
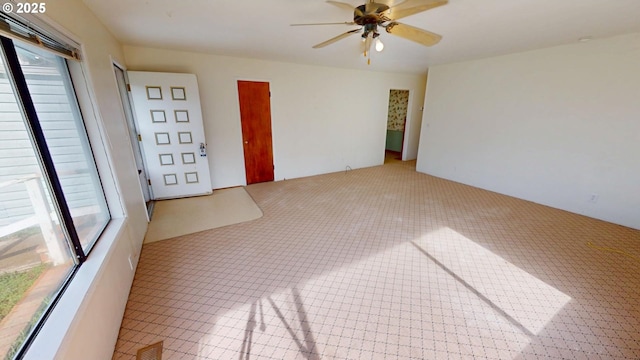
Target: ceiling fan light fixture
x=372 y=16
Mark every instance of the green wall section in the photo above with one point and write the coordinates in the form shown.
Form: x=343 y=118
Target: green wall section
x=394 y=140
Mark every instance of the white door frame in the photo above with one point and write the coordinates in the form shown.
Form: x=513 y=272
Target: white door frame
x=133 y=137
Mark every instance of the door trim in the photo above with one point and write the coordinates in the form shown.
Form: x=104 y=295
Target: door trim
x=149 y=204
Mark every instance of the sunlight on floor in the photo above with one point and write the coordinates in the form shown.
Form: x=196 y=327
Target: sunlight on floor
x=362 y=303
x=438 y=285
x=525 y=300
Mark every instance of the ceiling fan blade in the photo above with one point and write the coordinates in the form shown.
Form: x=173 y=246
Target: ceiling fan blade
x=374 y=8
x=346 y=6
x=404 y=4
x=339 y=37
x=393 y=3
x=334 y=23
x=397 y=13
x=409 y=32
x=371 y=7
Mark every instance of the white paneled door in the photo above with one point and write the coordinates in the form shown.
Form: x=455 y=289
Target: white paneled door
x=169 y=118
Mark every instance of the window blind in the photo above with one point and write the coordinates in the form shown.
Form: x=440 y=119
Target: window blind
x=20 y=28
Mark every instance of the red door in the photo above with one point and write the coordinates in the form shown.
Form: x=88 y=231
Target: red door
x=255 y=116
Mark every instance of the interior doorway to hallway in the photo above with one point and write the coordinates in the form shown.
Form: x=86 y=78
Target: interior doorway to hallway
x=396 y=121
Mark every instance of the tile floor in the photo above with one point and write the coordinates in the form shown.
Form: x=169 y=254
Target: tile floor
x=387 y=263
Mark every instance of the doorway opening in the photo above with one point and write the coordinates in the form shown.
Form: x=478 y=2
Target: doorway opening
x=123 y=89
x=396 y=124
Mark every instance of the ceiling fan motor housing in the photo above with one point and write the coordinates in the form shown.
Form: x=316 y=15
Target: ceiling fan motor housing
x=370 y=20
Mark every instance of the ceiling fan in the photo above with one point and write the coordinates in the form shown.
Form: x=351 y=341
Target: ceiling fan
x=372 y=16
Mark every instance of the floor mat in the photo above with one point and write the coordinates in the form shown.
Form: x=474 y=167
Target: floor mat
x=178 y=217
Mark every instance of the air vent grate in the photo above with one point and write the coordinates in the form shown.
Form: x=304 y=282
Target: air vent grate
x=151 y=352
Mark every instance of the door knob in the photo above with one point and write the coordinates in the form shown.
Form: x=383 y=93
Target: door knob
x=246 y=142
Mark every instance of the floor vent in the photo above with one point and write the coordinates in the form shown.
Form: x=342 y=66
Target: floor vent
x=151 y=352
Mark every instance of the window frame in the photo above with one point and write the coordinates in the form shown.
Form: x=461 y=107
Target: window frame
x=18 y=80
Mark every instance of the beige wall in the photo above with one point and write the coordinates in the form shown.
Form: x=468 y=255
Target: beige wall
x=323 y=119
x=86 y=321
x=553 y=126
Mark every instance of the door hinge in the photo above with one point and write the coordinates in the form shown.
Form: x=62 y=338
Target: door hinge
x=128 y=87
x=269 y=93
x=139 y=137
x=149 y=182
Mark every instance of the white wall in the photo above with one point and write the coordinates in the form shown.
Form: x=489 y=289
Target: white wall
x=85 y=322
x=414 y=124
x=552 y=126
x=323 y=119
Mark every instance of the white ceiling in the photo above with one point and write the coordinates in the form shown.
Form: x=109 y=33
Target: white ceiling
x=260 y=29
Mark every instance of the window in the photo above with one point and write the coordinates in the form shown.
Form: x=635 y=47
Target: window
x=53 y=208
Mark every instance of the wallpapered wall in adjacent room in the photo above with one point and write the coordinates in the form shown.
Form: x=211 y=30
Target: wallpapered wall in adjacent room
x=398 y=101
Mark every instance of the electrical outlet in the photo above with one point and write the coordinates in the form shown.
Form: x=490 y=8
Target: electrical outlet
x=594 y=198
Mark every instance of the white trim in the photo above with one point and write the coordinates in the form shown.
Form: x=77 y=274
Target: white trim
x=98 y=137
x=114 y=62
x=407 y=125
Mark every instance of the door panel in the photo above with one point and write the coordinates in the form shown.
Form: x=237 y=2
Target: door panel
x=169 y=118
x=255 y=116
